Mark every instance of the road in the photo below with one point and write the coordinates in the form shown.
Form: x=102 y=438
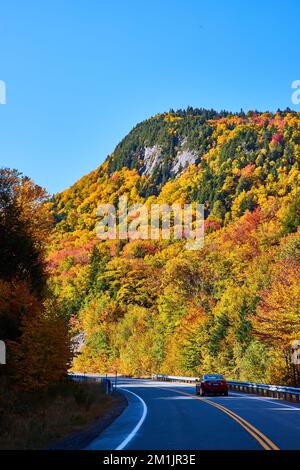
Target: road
x=169 y=416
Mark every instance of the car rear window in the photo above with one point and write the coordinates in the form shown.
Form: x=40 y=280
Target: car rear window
x=213 y=377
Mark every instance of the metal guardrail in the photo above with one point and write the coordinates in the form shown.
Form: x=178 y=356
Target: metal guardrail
x=273 y=391
x=173 y=378
x=109 y=386
x=96 y=377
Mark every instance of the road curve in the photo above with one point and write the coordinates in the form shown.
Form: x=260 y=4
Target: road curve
x=169 y=416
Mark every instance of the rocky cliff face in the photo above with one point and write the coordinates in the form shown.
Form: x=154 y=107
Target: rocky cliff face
x=163 y=146
x=153 y=160
x=183 y=159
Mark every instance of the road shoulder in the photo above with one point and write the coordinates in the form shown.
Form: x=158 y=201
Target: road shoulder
x=81 y=440
x=124 y=428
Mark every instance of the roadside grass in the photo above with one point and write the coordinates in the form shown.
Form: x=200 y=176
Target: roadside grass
x=36 y=420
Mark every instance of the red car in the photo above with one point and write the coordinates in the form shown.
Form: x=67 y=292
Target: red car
x=213 y=384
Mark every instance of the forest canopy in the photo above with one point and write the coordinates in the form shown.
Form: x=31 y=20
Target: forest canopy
x=149 y=306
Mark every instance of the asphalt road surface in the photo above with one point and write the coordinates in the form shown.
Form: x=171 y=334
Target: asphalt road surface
x=170 y=416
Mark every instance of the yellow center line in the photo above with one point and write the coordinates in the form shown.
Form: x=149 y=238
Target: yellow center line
x=263 y=440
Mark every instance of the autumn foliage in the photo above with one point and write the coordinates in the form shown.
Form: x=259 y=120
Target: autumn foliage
x=31 y=324
x=151 y=306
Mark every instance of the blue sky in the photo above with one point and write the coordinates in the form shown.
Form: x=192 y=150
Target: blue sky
x=81 y=73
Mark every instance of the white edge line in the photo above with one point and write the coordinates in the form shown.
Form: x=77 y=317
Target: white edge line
x=139 y=424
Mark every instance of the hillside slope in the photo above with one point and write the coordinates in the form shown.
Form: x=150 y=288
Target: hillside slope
x=152 y=306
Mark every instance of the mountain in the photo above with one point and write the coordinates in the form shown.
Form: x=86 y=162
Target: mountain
x=233 y=155
x=149 y=305
x=163 y=146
